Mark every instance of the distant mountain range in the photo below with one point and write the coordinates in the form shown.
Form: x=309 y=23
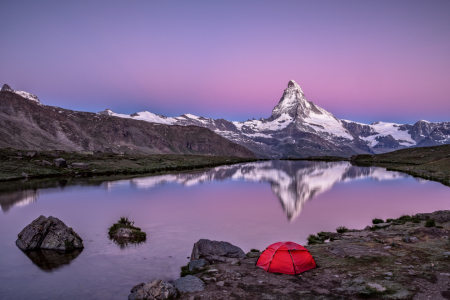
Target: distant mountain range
x=299 y=128
x=25 y=123
x=296 y=128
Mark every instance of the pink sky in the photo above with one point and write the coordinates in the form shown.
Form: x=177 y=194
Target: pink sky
x=364 y=61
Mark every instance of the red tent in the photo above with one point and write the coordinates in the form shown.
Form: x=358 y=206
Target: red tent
x=287 y=258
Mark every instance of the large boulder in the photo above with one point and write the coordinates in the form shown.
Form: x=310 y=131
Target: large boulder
x=48 y=233
x=189 y=283
x=214 y=251
x=156 y=289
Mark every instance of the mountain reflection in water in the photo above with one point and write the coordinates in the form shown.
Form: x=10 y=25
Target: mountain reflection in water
x=293 y=182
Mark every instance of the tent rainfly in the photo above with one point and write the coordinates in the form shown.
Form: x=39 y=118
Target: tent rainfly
x=286 y=258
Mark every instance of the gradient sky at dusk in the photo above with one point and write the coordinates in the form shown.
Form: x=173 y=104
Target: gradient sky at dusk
x=361 y=60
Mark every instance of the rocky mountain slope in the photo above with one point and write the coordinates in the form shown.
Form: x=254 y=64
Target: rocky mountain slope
x=26 y=124
x=299 y=128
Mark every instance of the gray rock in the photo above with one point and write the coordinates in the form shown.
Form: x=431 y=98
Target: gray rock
x=389 y=274
x=48 y=233
x=156 y=289
x=253 y=254
x=60 y=163
x=377 y=287
x=32 y=154
x=446 y=253
x=367 y=228
x=46 y=163
x=214 y=251
x=80 y=166
x=189 y=283
x=26 y=175
x=196 y=264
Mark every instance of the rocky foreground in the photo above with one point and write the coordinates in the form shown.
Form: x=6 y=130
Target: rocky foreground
x=26 y=164
x=400 y=259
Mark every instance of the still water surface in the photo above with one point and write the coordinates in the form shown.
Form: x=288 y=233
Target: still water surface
x=250 y=205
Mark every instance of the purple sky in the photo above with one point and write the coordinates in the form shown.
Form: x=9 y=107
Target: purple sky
x=361 y=60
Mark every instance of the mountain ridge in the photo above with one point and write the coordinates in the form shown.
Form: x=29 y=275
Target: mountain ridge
x=300 y=128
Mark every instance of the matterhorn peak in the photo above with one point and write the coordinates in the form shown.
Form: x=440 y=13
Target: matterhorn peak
x=294 y=85
x=26 y=95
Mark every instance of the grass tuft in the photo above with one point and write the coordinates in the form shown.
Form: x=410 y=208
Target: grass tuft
x=430 y=223
x=341 y=229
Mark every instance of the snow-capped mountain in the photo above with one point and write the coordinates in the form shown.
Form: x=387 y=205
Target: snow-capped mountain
x=26 y=95
x=299 y=128
x=293 y=182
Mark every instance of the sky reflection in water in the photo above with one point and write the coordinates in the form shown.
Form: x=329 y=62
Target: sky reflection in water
x=250 y=205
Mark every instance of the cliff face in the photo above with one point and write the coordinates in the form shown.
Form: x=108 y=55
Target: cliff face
x=27 y=124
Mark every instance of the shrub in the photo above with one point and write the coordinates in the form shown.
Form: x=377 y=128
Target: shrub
x=377 y=221
x=430 y=223
x=254 y=250
x=341 y=229
x=313 y=239
x=389 y=220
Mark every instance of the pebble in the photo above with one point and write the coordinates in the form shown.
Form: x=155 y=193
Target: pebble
x=389 y=274
x=220 y=283
x=377 y=287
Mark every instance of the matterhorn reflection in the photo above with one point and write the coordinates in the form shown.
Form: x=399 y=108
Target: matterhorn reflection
x=293 y=182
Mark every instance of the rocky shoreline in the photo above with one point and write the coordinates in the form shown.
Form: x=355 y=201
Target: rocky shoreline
x=405 y=258
x=26 y=164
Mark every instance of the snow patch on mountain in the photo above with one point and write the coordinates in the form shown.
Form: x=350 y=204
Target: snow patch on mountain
x=385 y=129
x=26 y=95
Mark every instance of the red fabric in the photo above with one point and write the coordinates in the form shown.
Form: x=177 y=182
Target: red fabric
x=286 y=258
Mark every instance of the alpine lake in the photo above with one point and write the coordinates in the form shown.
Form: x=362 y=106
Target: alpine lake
x=250 y=205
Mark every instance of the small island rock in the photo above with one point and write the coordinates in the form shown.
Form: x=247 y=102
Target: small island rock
x=48 y=233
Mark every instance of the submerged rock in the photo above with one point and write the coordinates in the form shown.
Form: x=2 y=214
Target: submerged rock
x=48 y=233
x=156 y=289
x=189 y=283
x=214 y=251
